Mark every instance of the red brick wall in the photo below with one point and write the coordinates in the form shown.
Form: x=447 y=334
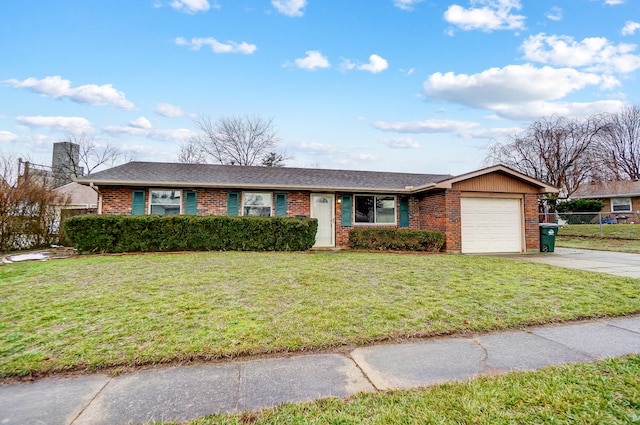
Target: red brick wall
x=440 y=212
x=531 y=228
x=453 y=234
x=211 y=201
x=414 y=213
x=117 y=200
x=432 y=212
x=298 y=203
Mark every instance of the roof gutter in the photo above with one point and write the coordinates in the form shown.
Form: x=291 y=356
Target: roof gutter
x=406 y=190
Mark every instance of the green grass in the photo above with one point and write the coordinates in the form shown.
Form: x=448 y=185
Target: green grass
x=606 y=392
x=624 y=231
x=615 y=237
x=94 y=312
x=599 y=244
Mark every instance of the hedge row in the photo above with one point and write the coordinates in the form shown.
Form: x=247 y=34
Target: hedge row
x=153 y=233
x=395 y=239
x=580 y=205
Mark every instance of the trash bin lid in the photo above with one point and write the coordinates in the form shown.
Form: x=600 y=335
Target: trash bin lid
x=549 y=225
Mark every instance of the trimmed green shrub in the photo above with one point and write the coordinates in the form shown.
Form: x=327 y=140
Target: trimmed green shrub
x=580 y=205
x=395 y=239
x=154 y=233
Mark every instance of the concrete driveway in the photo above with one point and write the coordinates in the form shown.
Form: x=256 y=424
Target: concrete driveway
x=616 y=263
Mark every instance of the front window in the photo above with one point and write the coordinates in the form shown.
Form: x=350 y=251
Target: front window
x=620 y=204
x=256 y=204
x=375 y=209
x=165 y=202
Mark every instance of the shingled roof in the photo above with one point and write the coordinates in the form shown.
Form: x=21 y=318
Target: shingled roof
x=162 y=174
x=612 y=189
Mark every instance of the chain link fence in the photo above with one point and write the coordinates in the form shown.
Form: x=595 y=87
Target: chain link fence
x=594 y=223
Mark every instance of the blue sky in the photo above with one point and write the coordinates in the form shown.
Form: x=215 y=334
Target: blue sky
x=382 y=85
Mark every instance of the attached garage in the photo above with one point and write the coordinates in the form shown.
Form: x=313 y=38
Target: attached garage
x=493 y=210
x=491 y=225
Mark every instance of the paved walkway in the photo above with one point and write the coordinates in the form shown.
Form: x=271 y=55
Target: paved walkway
x=616 y=263
x=183 y=393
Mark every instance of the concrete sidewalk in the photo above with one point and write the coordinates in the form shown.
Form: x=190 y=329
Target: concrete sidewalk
x=189 y=392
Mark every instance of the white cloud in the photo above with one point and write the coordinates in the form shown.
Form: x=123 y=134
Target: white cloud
x=594 y=53
x=320 y=148
x=401 y=143
x=406 y=4
x=216 y=46
x=291 y=8
x=427 y=126
x=312 y=61
x=555 y=14
x=528 y=111
x=191 y=6
x=67 y=124
x=7 y=136
x=513 y=84
x=170 y=111
x=347 y=65
x=614 y=2
x=486 y=15
x=159 y=134
x=630 y=28
x=376 y=64
x=141 y=122
x=91 y=94
x=334 y=154
x=494 y=133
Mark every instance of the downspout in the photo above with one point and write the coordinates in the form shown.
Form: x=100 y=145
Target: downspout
x=91 y=185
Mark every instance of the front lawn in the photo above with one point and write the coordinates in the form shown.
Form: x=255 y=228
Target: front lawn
x=615 y=237
x=599 y=244
x=606 y=392
x=622 y=231
x=101 y=311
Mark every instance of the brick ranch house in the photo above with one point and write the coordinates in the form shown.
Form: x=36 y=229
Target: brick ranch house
x=621 y=199
x=490 y=210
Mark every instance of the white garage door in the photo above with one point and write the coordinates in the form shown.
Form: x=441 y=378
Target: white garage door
x=491 y=225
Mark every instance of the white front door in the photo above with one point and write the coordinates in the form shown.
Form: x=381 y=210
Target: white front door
x=323 y=208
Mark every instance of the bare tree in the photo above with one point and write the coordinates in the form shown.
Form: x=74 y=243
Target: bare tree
x=83 y=154
x=556 y=150
x=27 y=214
x=232 y=140
x=191 y=153
x=620 y=144
x=275 y=159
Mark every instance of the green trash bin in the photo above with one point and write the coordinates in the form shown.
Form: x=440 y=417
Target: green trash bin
x=548 y=232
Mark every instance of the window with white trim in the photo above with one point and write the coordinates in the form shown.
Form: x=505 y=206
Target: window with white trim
x=257 y=204
x=621 y=205
x=374 y=209
x=165 y=202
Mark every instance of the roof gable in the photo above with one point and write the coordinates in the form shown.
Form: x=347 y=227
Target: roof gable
x=77 y=194
x=479 y=180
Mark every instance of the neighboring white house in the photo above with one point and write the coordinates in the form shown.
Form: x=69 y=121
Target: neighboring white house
x=78 y=199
